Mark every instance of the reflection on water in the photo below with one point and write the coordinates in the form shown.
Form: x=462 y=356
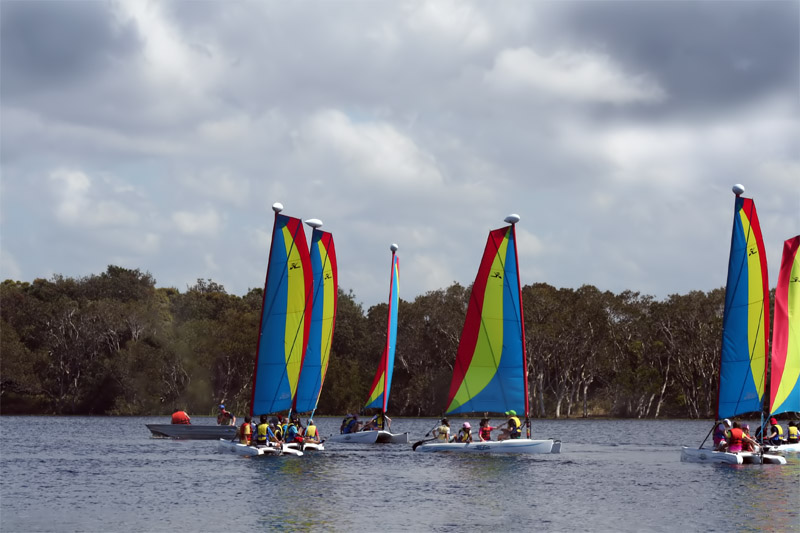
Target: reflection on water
x=612 y=476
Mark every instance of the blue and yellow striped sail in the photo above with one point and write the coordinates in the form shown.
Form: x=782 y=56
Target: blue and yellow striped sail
x=746 y=317
x=785 y=360
x=489 y=372
x=285 y=319
x=382 y=383
x=323 y=319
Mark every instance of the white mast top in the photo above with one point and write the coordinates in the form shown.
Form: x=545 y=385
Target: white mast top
x=314 y=222
x=738 y=189
x=277 y=207
x=394 y=247
x=512 y=218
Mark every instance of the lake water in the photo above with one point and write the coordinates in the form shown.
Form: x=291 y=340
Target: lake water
x=108 y=474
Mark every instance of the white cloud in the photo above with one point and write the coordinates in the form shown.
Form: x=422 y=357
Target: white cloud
x=205 y=223
x=79 y=205
x=582 y=76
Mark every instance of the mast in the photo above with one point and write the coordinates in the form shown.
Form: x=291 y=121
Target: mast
x=389 y=325
x=513 y=219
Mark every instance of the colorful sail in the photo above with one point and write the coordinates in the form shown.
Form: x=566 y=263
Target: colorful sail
x=323 y=318
x=746 y=317
x=785 y=361
x=382 y=384
x=490 y=372
x=285 y=318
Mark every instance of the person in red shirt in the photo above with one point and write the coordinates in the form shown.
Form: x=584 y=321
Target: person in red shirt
x=180 y=417
x=485 y=432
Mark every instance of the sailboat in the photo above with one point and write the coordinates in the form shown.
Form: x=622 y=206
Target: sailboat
x=784 y=387
x=382 y=384
x=284 y=328
x=491 y=368
x=323 y=318
x=744 y=333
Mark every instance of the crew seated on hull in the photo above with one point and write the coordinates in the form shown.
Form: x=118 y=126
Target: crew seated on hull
x=464 y=434
x=736 y=439
x=350 y=424
x=513 y=429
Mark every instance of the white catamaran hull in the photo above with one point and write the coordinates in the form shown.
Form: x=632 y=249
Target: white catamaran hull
x=526 y=446
x=361 y=437
x=783 y=448
x=314 y=446
x=226 y=446
x=702 y=455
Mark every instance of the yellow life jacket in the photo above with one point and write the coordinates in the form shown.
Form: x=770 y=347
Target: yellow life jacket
x=311 y=431
x=261 y=433
x=442 y=432
x=793 y=434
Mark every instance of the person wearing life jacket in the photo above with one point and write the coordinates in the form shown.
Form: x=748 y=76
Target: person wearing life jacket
x=350 y=424
x=793 y=436
x=245 y=431
x=734 y=438
x=442 y=432
x=465 y=433
x=290 y=432
x=262 y=432
x=485 y=431
x=180 y=417
x=225 y=418
x=748 y=444
x=514 y=428
x=380 y=422
x=312 y=435
x=776 y=432
x=719 y=433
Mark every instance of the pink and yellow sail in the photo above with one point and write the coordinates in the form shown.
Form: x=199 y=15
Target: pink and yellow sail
x=382 y=383
x=745 y=319
x=785 y=360
x=285 y=318
x=490 y=371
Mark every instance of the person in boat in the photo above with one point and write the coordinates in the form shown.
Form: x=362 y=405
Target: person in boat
x=291 y=433
x=274 y=433
x=225 y=418
x=465 y=433
x=442 y=432
x=312 y=435
x=719 y=434
x=513 y=429
x=180 y=417
x=748 y=445
x=775 y=432
x=380 y=422
x=736 y=439
x=793 y=436
x=485 y=431
x=350 y=424
x=245 y=431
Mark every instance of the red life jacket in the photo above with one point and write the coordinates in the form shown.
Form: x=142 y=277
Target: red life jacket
x=179 y=417
x=735 y=442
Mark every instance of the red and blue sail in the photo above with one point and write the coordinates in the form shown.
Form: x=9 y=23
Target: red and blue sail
x=323 y=318
x=785 y=360
x=745 y=320
x=285 y=319
x=490 y=371
x=382 y=384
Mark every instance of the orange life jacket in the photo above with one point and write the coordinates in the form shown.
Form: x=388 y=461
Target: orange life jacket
x=180 y=417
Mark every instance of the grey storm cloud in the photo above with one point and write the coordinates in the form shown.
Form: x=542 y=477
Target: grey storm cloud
x=156 y=135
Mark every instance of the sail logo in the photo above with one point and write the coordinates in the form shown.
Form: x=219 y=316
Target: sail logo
x=294 y=265
x=497 y=274
x=795 y=279
x=753 y=250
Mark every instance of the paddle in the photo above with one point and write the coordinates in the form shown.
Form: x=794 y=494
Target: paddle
x=416 y=444
x=414 y=447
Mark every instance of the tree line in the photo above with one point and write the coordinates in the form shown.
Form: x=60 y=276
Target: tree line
x=116 y=344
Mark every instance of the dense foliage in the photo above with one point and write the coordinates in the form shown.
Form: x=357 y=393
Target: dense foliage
x=115 y=344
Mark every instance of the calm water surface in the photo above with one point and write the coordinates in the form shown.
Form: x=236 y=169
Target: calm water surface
x=108 y=474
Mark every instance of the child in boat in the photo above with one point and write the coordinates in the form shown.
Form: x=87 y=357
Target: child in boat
x=719 y=434
x=794 y=434
x=736 y=439
x=312 y=435
x=514 y=428
x=245 y=432
x=442 y=432
x=775 y=433
x=748 y=445
x=465 y=433
x=485 y=431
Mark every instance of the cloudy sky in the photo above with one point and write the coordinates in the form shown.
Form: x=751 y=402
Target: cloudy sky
x=156 y=135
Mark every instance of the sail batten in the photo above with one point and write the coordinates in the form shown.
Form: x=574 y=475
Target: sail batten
x=382 y=383
x=285 y=319
x=743 y=356
x=323 y=317
x=785 y=360
x=489 y=372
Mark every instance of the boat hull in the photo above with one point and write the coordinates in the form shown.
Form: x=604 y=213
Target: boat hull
x=522 y=446
x=312 y=446
x=191 y=431
x=227 y=446
x=385 y=437
x=361 y=437
x=784 y=448
x=702 y=455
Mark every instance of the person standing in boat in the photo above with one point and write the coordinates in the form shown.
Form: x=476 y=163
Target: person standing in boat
x=225 y=418
x=514 y=428
x=442 y=432
x=180 y=417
